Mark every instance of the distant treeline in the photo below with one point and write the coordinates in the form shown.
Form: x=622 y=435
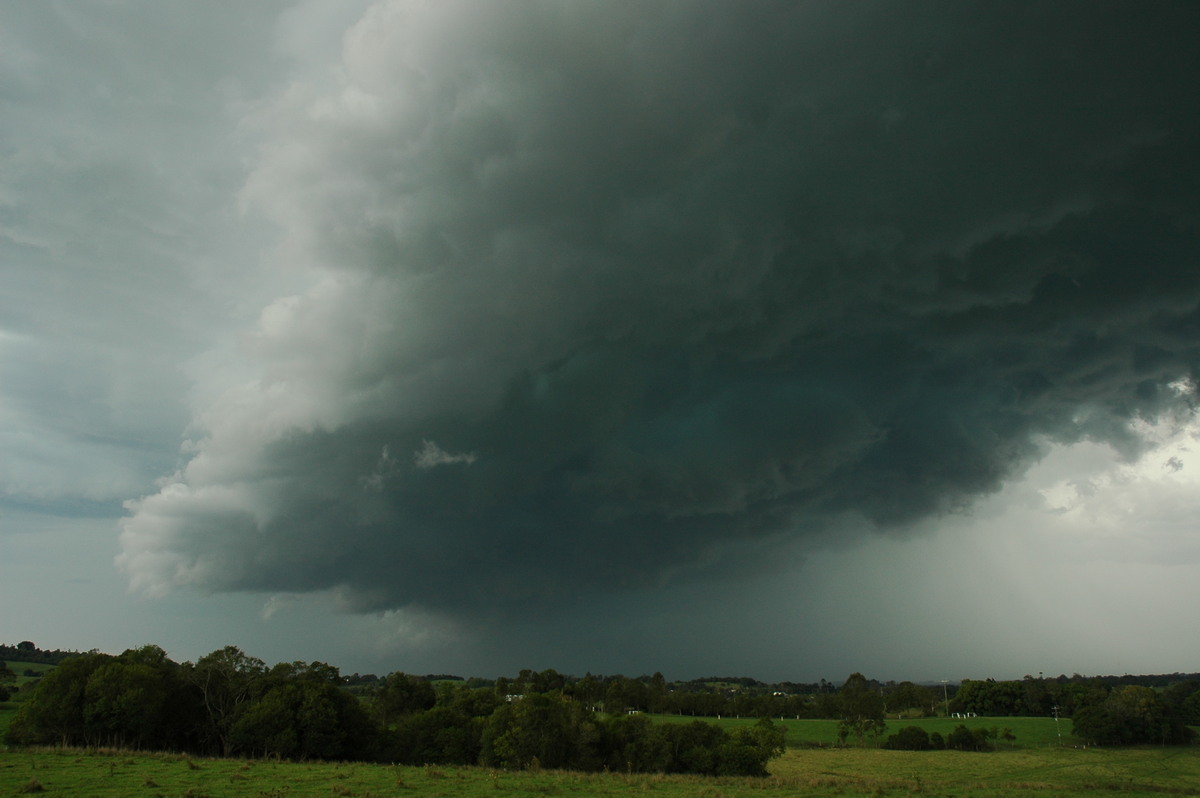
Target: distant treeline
x=26 y=651
x=228 y=703
x=1106 y=710
x=1062 y=695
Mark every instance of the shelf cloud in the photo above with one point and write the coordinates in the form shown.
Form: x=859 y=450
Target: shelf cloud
x=603 y=294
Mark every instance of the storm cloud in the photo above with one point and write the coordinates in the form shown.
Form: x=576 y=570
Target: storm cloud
x=597 y=297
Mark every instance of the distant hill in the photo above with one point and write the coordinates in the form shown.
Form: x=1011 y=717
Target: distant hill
x=26 y=651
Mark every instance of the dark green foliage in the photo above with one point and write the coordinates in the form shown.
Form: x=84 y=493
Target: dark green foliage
x=628 y=743
x=26 y=651
x=964 y=739
x=7 y=678
x=400 y=694
x=546 y=729
x=861 y=710
x=229 y=703
x=227 y=680
x=1183 y=700
x=54 y=714
x=471 y=702
x=907 y=696
x=991 y=698
x=624 y=694
x=1034 y=697
x=226 y=703
x=749 y=749
x=439 y=736
x=692 y=747
x=634 y=744
x=127 y=703
x=1132 y=715
x=304 y=718
x=1189 y=710
x=138 y=699
x=910 y=738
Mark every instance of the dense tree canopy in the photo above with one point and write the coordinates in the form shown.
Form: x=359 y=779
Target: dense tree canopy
x=1130 y=715
x=230 y=703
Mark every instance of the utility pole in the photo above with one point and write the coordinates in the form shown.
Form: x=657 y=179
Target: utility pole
x=946 y=697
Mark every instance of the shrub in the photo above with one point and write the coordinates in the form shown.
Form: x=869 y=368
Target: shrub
x=910 y=738
x=964 y=739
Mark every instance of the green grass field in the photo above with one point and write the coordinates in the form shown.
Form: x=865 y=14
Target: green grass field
x=1030 y=773
x=1032 y=766
x=24 y=684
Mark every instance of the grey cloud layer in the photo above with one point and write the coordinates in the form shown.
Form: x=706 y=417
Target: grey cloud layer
x=612 y=289
x=115 y=195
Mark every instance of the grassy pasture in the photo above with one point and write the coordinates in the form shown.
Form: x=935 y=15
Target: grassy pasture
x=1030 y=773
x=1034 y=767
x=24 y=684
x=19 y=668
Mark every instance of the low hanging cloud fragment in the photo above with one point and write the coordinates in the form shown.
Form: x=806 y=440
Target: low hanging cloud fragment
x=638 y=286
x=430 y=455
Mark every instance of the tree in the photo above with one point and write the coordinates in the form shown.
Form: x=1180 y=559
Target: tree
x=861 y=709
x=990 y=697
x=400 y=694
x=1181 y=699
x=440 y=736
x=125 y=704
x=624 y=693
x=656 y=693
x=227 y=679
x=304 y=718
x=471 y=702
x=54 y=713
x=1190 y=709
x=692 y=747
x=909 y=696
x=628 y=743
x=539 y=728
x=1129 y=716
x=749 y=749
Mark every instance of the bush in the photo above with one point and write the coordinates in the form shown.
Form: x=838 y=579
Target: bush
x=964 y=739
x=910 y=738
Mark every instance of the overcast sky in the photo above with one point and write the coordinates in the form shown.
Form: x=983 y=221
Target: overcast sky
x=769 y=339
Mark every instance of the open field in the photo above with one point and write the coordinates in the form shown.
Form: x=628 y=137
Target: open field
x=1033 y=773
x=1031 y=766
x=19 y=668
x=25 y=684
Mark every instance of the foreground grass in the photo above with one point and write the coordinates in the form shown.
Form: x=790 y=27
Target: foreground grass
x=1030 y=772
x=829 y=772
